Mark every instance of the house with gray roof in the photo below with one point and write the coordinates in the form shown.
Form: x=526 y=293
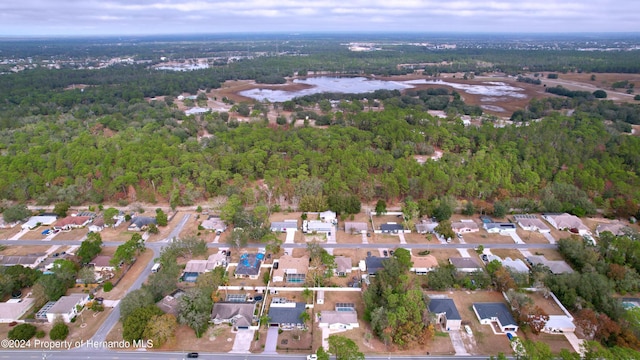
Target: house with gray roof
x=465 y=264
x=66 y=308
x=497 y=313
x=238 y=314
x=282 y=226
x=446 y=313
x=555 y=266
x=373 y=264
x=141 y=223
x=337 y=321
x=391 y=228
x=531 y=222
x=286 y=314
x=343 y=265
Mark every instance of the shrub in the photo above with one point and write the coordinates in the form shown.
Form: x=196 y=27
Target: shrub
x=108 y=286
x=22 y=332
x=40 y=334
x=59 y=331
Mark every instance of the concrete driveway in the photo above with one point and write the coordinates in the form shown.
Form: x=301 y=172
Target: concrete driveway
x=457 y=342
x=272 y=341
x=242 y=342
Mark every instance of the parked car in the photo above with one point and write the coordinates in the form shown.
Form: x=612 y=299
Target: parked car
x=368 y=234
x=192 y=355
x=385 y=253
x=391 y=252
x=484 y=257
x=312 y=357
x=368 y=253
x=467 y=328
x=46 y=232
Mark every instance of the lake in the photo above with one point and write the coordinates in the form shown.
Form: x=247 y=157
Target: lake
x=347 y=85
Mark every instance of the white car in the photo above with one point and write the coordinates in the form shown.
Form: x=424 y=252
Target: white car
x=312 y=357
x=468 y=329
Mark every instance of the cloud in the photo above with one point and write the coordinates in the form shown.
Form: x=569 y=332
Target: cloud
x=183 y=16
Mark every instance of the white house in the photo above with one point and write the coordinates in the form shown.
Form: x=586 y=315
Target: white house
x=13 y=309
x=617 y=228
x=500 y=228
x=497 y=313
x=328 y=216
x=337 y=321
x=446 y=313
x=66 y=307
x=531 y=223
x=567 y=222
x=214 y=223
x=35 y=221
x=97 y=225
x=464 y=227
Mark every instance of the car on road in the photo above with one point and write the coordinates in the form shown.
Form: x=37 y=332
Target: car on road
x=312 y=357
x=192 y=355
x=467 y=328
x=385 y=253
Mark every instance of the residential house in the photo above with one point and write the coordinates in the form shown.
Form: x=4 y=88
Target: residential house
x=14 y=309
x=343 y=265
x=465 y=264
x=516 y=265
x=391 y=228
x=169 y=303
x=497 y=313
x=463 y=227
x=423 y=264
x=97 y=225
x=426 y=226
x=72 y=222
x=617 y=228
x=373 y=264
x=194 y=268
x=328 y=216
x=30 y=261
x=446 y=313
x=240 y=315
x=555 y=266
x=101 y=263
x=286 y=314
x=338 y=320
x=141 y=223
x=316 y=226
x=351 y=227
x=66 y=308
x=531 y=223
x=282 y=226
x=35 y=221
x=249 y=266
x=291 y=270
x=500 y=228
x=568 y=222
x=214 y=223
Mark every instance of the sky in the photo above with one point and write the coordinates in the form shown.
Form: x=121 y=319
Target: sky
x=156 y=17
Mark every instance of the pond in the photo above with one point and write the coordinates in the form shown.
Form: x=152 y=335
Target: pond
x=488 y=88
x=347 y=85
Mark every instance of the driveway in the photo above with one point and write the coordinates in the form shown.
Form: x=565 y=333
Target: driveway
x=291 y=235
x=549 y=237
x=364 y=238
x=272 y=341
x=403 y=241
x=576 y=343
x=516 y=238
x=216 y=239
x=242 y=342
x=457 y=342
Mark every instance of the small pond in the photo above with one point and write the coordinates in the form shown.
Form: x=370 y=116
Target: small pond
x=347 y=85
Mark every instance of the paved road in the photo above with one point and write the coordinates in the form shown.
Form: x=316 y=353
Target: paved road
x=304 y=246
x=156 y=247
x=143 y=355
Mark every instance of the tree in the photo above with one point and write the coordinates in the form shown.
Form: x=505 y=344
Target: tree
x=90 y=247
x=381 y=207
x=109 y=215
x=600 y=94
x=344 y=348
x=322 y=354
x=160 y=329
x=52 y=286
x=210 y=281
x=87 y=275
x=161 y=217
x=503 y=280
x=136 y=322
x=469 y=209
x=444 y=228
x=127 y=252
x=16 y=213
x=22 y=332
x=194 y=310
x=59 y=331
x=499 y=209
x=134 y=300
x=61 y=209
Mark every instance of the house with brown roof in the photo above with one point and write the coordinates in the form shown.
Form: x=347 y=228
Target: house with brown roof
x=290 y=269
x=617 y=228
x=97 y=225
x=423 y=264
x=72 y=222
x=343 y=265
x=101 y=263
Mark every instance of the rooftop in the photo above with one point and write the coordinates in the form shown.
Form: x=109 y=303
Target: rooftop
x=447 y=306
x=249 y=264
x=286 y=315
x=495 y=310
x=239 y=313
x=464 y=263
